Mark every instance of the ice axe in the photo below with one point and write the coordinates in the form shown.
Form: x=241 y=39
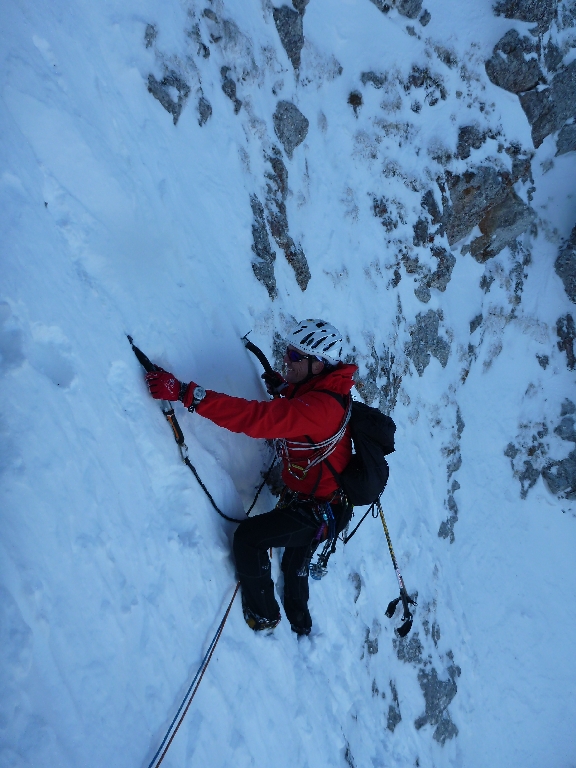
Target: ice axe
x=404 y=596
x=258 y=352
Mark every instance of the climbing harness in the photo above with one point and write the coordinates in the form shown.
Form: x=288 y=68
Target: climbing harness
x=324 y=516
x=191 y=692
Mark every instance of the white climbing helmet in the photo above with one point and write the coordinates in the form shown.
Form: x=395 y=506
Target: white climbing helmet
x=318 y=338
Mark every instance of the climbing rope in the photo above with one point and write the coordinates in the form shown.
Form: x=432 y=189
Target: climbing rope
x=191 y=692
x=170 y=416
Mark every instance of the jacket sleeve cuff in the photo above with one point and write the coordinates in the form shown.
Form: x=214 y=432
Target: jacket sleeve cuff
x=187 y=394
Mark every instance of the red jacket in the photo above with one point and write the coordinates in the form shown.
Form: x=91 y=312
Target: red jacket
x=301 y=412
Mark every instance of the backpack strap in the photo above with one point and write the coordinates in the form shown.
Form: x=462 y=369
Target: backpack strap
x=342 y=399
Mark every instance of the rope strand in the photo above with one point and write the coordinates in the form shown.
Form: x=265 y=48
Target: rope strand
x=196 y=682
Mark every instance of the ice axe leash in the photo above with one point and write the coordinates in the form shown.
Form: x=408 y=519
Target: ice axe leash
x=170 y=416
x=404 y=596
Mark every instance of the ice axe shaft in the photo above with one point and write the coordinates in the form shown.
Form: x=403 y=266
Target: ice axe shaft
x=167 y=409
x=404 y=596
x=258 y=352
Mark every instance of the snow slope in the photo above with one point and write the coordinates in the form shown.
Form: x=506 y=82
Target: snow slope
x=115 y=570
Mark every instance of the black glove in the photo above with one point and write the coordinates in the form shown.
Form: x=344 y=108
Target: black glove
x=274 y=383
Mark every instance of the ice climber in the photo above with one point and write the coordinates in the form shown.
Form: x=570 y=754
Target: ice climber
x=309 y=419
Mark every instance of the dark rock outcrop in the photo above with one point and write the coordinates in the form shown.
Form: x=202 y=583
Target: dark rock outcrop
x=513 y=71
x=484 y=196
x=263 y=265
x=439 y=278
x=567 y=335
x=160 y=89
x=469 y=138
x=433 y=84
x=430 y=204
x=566 y=141
x=229 y=88
x=291 y=32
x=501 y=225
x=409 y=8
x=290 y=126
x=378 y=81
x=547 y=110
x=437 y=696
x=565 y=266
x=560 y=476
x=539 y=12
x=150 y=35
x=382 y=5
x=425 y=18
x=446 y=530
x=204 y=110
x=394 y=715
x=355 y=101
x=472 y=194
x=552 y=56
x=276 y=194
x=425 y=341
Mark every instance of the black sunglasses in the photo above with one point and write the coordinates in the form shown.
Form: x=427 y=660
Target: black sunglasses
x=297 y=357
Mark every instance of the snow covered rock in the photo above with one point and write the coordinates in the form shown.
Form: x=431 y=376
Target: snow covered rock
x=263 y=266
x=290 y=126
x=172 y=92
x=277 y=218
x=469 y=137
x=484 y=196
x=438 y=694
x=408 y=8
x=501 y=225
x=565 y=266
x=566 y=141
x=425 y=341
x=513 y=65
x=540 y=12
x=290 y=29
x=229 y=88
x=566 y=331
x=560 y=476
x=547 y=110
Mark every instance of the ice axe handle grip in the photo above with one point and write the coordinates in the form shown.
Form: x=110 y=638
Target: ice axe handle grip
x=259 y=354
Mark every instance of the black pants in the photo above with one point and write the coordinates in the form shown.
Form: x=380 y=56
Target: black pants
x=293 y=527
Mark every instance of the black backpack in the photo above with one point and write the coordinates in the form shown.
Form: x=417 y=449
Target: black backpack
x=366 y=475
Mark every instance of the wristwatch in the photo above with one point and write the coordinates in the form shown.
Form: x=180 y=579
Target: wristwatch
x=199 y=394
